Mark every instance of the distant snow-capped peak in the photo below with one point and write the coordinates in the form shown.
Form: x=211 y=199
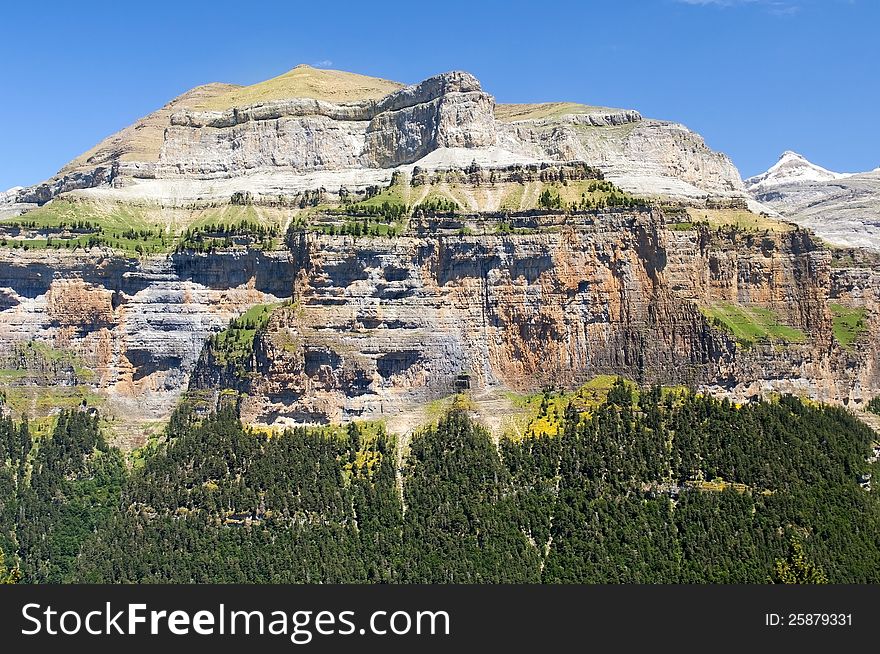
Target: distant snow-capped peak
x=793 y=168
x=9 y=196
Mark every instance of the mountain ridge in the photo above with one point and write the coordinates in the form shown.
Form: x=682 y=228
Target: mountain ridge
x=304 y=81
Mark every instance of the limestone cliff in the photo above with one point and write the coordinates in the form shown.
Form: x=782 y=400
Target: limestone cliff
x=372 y=326
x=379 y=325
x=648 y=157
x=306 y=134
x=130 y=330
x=325 y=246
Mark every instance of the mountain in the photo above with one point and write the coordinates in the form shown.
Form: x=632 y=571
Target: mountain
x=842 y=208
x=326 y=247
x=792 y=168
x=328 y=128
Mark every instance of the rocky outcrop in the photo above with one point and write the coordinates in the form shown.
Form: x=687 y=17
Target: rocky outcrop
x=11 y=195
x=10 y=206
x=42 y=193
x=588 y=116
x=644 y=156
x=445 y=112
x=475 y=175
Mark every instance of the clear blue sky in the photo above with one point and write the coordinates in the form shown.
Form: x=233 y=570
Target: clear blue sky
x=754 y=77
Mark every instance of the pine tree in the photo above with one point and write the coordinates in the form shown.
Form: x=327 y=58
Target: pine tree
x=797 y=568
x=8 y=575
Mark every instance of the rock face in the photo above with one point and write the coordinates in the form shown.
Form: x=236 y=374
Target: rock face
x=72 y=181
x=137 y=326
x=182 y=150
x=449 y=110
x=842 y=208
x=648 y=157
x=9 y=204
x=379 y=325
x=372 y=326
x=10 y=195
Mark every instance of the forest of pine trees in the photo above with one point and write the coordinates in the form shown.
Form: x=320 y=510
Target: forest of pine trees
x=648 y=487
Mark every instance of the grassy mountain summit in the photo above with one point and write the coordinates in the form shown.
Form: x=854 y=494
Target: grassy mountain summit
x=142 y=140
x=509 y=113
x=303 y=82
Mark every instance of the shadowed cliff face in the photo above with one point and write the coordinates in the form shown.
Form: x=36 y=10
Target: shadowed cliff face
x=377 y=325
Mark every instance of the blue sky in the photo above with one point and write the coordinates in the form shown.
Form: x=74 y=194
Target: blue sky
x=754 y=77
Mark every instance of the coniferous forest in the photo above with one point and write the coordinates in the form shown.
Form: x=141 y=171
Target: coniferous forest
x=646 y=487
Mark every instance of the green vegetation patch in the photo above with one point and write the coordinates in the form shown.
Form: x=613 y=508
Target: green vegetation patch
x=38 y=365
x=142 y=230
x=848 y=323
x=41 y=401
x=396 y=193
x=234 y=346
x=232 y=215
x=349 y=226
x=379 y=212
x=436 y=204
x=209 y=237
x=68 y=224
x=513 y=197
x=541 y=414
x=585 y=195
x=751 y=324
x=741 y=219
x=42 y=354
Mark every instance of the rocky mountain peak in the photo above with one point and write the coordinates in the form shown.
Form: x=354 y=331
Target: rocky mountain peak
x=791 y=168
x=839 y=207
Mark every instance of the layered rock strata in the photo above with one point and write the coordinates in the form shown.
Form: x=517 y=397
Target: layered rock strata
x=376 y=325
